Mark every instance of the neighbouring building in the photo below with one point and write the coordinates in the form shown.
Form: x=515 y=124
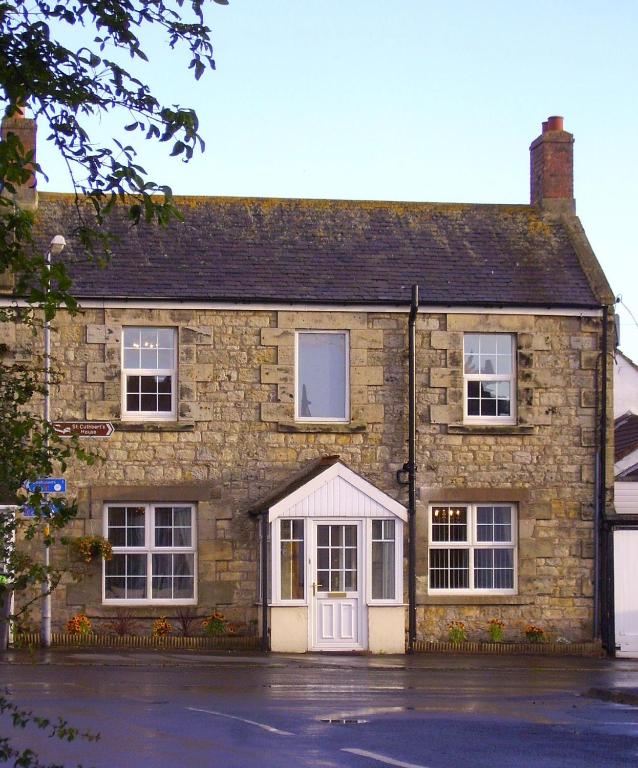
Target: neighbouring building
x=254 y=362
x=623 y=522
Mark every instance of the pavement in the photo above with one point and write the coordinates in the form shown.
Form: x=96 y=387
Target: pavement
x=622 y=674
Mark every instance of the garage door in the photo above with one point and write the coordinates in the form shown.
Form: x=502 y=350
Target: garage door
x=625 y=592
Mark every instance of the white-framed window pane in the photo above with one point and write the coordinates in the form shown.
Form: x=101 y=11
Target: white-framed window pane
x=125 y=576
x=493 y=569
x=383 y=559
x=449 y=568
x=153 y=556
x=449 y=524
x=292 y=559
x=336 y=558
x=149 y=369
x=173 y=576
x=485 y=562
x=488 y=369
x=322 y=376
x=126 y=526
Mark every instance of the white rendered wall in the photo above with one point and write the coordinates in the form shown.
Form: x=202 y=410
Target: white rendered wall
x=625 y=386
x=289 y=629
x=386 y=629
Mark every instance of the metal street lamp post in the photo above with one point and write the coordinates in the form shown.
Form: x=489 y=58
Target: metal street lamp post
x=55 y=249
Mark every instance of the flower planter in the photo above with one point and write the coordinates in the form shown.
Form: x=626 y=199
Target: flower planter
x=143 y=641
x=514 y=649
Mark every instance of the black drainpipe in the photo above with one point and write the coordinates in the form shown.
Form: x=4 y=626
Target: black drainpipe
x=411 y=469
x=265 y=645
x=604 y=612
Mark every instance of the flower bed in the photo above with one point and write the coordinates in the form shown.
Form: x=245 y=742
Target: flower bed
x=142 y=641
x=514 y=649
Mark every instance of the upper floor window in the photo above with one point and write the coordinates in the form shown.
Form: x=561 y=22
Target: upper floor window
x=489 y=378
x=154 y=556
x=149 y=373
x=472 y=548
x=322 y=376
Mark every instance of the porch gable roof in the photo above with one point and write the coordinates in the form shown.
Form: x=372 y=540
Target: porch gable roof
x=328 y=488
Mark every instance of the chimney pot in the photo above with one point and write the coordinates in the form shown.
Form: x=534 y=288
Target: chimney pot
x=553 y=123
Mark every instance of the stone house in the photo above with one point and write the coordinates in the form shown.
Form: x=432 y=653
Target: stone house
x=254 y=362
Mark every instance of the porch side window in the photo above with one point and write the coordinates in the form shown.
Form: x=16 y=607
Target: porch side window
x=383 y=560
x=292 y=560
x=322 y=376
x=472 y=548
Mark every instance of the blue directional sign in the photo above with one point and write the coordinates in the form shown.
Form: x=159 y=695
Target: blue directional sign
x=46 y=485
x=47 y=510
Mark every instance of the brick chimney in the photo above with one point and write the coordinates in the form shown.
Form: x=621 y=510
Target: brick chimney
x=25 y=129
x=552 y=168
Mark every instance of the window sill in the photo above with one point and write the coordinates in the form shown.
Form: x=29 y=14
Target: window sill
x=300 y=427
x=490 y=429
x=475 y=600
x=154 y=426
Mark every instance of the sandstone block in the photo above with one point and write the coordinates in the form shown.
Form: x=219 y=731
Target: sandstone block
x=102 y=411
x=215 y=550
x=277 y=374
x=100 y=372
x=370 y=413
x=440 y=414
x=358 y=356
x=323 y=320
x=101 y=334
x=214 y=593
x=196 y=335
x=366 y=339
x=544 y=548
x=445 y=340
x=275 y=337
x=368 y=375
x=588 y=359
x=276 y=411
x=485 y=323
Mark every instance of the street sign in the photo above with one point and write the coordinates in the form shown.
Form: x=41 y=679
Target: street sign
x=46 y=485
x=46 y=510
x=83 y=428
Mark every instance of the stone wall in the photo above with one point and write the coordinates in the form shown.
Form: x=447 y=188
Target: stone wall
x=235 y=438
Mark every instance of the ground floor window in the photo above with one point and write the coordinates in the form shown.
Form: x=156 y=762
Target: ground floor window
x=154 y=553
x=472 y=547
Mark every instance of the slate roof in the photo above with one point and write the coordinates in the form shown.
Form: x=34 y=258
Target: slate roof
x=331 y=251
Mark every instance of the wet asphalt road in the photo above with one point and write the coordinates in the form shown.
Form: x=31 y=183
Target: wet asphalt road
x=178 y=709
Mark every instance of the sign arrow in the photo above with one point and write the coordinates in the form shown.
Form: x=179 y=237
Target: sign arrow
x=83 y=428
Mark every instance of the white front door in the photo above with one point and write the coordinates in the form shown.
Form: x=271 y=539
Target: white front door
x=338 y=607
x=625 y=593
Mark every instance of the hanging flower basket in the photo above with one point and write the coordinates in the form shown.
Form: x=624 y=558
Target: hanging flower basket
x=91 y=548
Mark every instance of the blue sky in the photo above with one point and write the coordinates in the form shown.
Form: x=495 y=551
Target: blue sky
x=414 y=100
